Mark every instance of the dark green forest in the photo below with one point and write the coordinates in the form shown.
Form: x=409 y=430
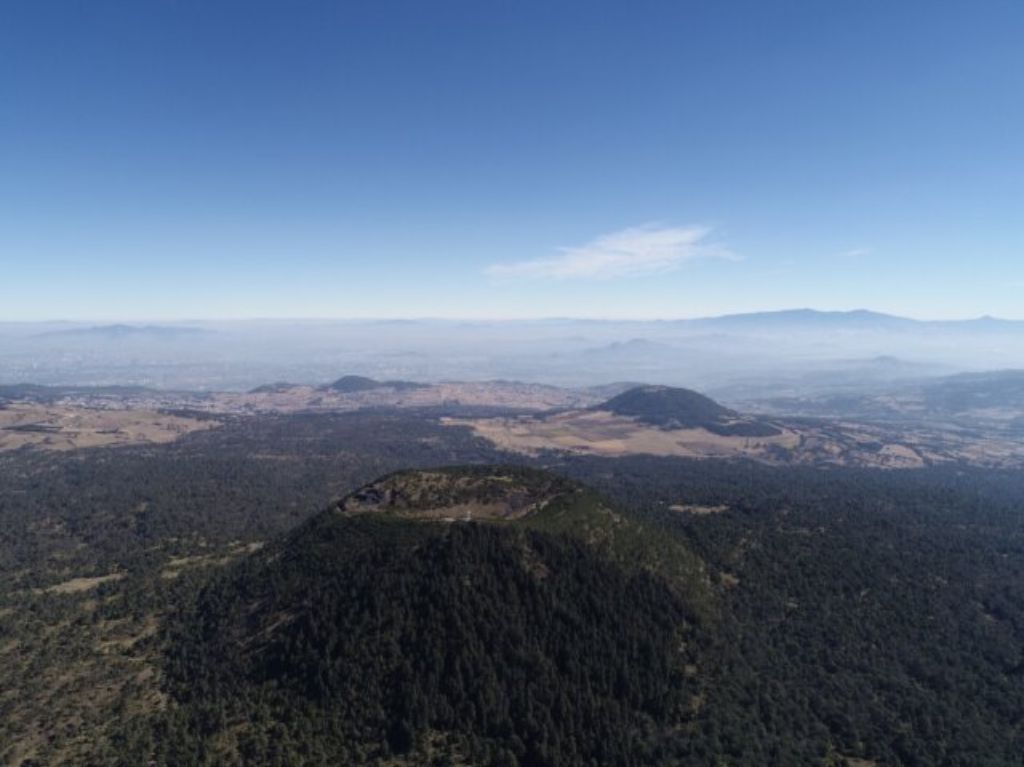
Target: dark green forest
x=852 y=616
x=405 y=632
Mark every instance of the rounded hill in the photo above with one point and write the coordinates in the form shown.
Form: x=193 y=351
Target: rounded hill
x=672 y=407
x=352 y=384
x=386 y=630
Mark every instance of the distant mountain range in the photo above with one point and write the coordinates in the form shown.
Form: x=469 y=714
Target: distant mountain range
x=854 y=319
x=121 y=332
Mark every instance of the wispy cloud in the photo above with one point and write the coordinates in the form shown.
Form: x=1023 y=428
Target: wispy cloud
x=638 y=250
x=854 y=253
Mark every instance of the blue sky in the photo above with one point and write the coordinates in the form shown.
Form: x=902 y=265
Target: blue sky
x=165 y=159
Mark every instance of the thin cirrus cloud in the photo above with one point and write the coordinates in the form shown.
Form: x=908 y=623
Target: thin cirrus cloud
x=633 y=251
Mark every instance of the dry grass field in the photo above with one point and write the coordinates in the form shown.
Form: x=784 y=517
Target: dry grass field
x=602 y=433
x=499 y=394
x=65 y=427
x=837 y=443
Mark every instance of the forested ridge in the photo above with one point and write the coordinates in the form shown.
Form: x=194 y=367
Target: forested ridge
x=515 y=641
x=512 y=647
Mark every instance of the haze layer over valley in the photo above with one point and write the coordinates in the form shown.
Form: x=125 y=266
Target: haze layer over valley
x=737 y=356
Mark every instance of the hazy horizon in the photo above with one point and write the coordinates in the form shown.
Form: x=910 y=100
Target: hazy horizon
x=136 y=320
x=755 y=352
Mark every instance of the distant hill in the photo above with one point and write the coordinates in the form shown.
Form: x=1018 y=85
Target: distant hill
x=388 y=629
x=351 y=384
x=278 y=387
x=999 y=389
x=635 y=347
x=610 y=390
x=677 y=408
x=120 y=331
x=864 y=373
x=44 y=393
x=661 y=405
x=988 y=403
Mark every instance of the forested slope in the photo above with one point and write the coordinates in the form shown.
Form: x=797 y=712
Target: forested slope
x=385 y=632
x=839 y=614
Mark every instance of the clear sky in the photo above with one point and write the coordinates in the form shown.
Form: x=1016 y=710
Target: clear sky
x=166 y=159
